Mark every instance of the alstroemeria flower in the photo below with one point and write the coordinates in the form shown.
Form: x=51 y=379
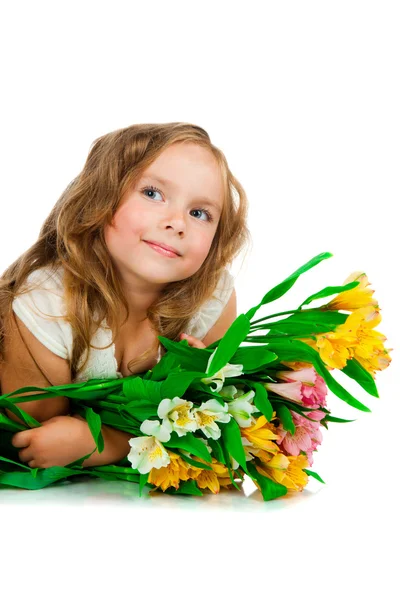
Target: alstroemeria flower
x=239 y=405
x=161 y=431
x=313 y=387
x=229 y=370
x=147 y=453
x=307 y=436
x=207 y=414
x=177 y=413
x=291 y=391
x=358 y=297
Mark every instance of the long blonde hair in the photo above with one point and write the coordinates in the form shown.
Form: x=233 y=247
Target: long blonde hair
x=72 y=236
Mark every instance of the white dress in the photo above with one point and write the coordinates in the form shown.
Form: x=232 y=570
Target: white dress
x=56 y=334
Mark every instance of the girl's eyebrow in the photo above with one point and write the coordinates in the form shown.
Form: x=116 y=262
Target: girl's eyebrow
x=170 y=184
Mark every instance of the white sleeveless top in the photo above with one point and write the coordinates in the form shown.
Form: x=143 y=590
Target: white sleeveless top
x=56 y=334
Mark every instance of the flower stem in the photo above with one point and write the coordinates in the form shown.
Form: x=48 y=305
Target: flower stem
x=286 y=312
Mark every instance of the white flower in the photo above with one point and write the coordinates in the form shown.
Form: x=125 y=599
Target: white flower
x=229 y=370
x=239 y=404
x=161 y=431
x=228 y=392
x=177 y=413
x=206 y=415
x=241 y=409
x=147 y=453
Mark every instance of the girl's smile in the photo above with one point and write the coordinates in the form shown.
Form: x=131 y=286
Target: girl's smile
x=161 y=250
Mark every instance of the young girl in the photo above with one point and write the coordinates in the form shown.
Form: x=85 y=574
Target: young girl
x=137 y=246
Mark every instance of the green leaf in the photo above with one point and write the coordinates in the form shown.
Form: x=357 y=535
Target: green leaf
x=43 y=478
x=229 y=344
x=357 y=372
x=304 y=324
x=280 y=289
x=217 y=450
x=270 y=489
x=191 y=359
x=193 y=462
x=136 y=388
x=190 y=443
x=313 y=474
x=168 y=363
x=233 y=442
x=7 y=424
x=140 y=410
x=338 y=420
x=328 y=291
x=253 y=358
x=142 y=482
x=177 y=383
x=261 y=400
x=286 y=418
x=29 y=421
x=94 y=422
x=227 y=461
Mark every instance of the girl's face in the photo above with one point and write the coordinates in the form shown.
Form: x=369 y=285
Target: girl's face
x=177 y=202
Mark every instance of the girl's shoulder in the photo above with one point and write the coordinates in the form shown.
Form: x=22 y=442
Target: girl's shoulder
x=40 y=305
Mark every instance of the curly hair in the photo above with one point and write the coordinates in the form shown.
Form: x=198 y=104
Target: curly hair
x=72 y=236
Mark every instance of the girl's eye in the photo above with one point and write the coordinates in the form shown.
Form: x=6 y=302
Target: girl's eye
x=153 y=189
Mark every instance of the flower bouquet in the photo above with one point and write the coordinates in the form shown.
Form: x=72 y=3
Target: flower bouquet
x=247 y=404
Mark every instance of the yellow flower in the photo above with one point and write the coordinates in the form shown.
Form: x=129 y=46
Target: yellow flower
x=354 y=338
x=358 y=297
x=334 y=347
x=170 y=475
x=286 y=470
x=369 y=350
x=211 y=479
x=219 y=475
x=178 y=470
x=261 y=434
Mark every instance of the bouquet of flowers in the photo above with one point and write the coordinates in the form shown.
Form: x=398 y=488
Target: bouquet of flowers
x=247 y=404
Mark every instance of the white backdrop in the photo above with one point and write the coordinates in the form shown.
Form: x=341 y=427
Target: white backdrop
x=302 y=97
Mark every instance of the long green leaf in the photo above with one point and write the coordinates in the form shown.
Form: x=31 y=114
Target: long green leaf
x=94 y=422
x=233 y=442
x=190 y=443
x=280 y=289
x=229 y=344
x=328 y=291
x=357 y=372
x=286 y=418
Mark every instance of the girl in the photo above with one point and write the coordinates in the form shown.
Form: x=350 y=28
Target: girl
x=137 y=246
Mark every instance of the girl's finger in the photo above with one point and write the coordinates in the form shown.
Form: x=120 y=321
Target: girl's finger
x=192 y=341
x=25 y=455
x=21 y=439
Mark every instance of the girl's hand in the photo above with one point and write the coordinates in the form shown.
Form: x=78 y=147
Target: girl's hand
x=59 y=441
x=192 y=341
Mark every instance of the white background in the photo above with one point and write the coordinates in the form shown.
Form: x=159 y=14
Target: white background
x=303 y=98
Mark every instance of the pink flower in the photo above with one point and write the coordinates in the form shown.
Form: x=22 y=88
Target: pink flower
x=307 y=436
x=313 y=388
